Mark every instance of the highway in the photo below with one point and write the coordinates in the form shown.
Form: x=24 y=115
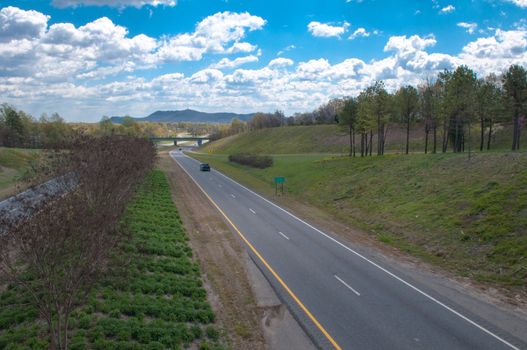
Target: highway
x=342 y=297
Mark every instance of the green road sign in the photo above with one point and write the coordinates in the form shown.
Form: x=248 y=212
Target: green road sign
x=279 y=180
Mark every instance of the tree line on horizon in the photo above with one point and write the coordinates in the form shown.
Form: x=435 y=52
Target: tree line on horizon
x=448 y=107
x=20 y=129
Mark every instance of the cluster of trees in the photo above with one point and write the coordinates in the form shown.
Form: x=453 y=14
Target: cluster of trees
x=448 y=107
x=19 y=129
x=221 y=130
x=324 y=114
x=57 y=254
x=256 y=122
x=267 y=120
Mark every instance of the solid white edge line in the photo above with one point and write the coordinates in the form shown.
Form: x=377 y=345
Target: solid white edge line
x=376 y=265
x=347 y=285
x=283 y=235
x=252 y=211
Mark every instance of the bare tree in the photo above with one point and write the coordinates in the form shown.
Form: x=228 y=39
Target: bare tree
x=407 y=102
x=515 y=93
x=58 y=253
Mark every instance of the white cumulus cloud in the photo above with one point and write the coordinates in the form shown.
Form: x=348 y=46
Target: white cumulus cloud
x=280 y=62
x=212 y=35
x=101 y=48
x=470 y=27
x=520 y=3
x=447 y=9
x=17 y=24
x=326 y=30
x=229 y=64
x=359 y=32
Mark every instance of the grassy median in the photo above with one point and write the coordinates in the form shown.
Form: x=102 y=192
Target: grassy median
x=152 y=298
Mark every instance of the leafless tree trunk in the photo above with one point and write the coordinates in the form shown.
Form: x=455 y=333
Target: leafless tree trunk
x=371 y=142
x=491 y=122
x=362 y=146
x=354 y=147
x=482 y=136
x=426 y=141
x=64 y=258
x=351 y=140
x=446 y=135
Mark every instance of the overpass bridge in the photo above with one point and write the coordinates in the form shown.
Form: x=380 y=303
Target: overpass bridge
x=176 y=139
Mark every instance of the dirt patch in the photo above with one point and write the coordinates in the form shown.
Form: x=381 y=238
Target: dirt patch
x=220 y=256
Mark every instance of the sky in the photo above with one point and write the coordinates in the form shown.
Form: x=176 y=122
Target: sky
x=89 y=58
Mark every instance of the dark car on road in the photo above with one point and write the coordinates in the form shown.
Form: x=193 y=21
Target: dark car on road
x=204 y=167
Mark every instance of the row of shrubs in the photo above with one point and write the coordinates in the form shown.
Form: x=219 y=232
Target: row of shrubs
x=253 y=160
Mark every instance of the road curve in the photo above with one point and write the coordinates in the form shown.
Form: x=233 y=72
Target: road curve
x=343 y=298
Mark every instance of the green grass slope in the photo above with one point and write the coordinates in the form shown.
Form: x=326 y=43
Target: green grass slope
x=284 y=140
x=17 y=158
x=468 y=216
x=13 y=163
x=334 y=139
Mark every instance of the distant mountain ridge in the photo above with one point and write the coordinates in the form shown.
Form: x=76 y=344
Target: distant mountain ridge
x=188 y=115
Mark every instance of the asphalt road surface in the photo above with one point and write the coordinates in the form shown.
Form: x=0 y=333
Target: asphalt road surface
x=343 y=298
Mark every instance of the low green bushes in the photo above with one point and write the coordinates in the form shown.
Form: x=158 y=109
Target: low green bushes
x=252 y=160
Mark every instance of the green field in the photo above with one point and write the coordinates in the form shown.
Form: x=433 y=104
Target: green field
x=468 y=216
x=13 y=163
x=152 y=299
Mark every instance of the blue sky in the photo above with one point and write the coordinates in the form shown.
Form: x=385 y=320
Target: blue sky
x=88 y=58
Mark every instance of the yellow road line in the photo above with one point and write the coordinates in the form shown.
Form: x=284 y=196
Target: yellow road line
x=286 y=287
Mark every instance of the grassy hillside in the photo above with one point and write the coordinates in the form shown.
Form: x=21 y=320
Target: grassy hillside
x=468 y=216
x=333 y=139
x=13 y=162
x=285 y=140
